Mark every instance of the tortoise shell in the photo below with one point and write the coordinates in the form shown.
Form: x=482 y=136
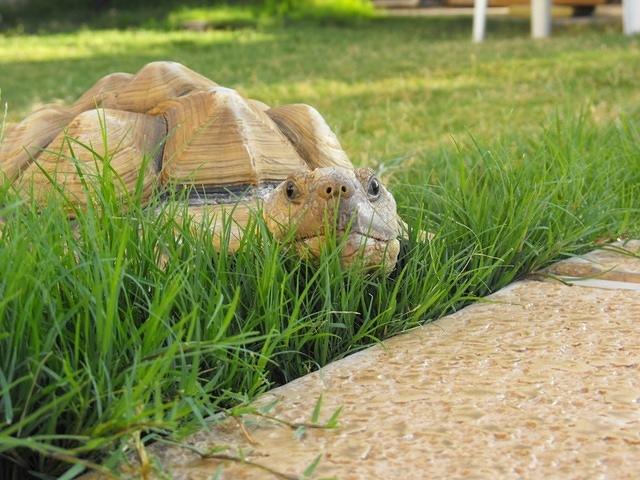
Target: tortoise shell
x=168 y=128
x=183 y=129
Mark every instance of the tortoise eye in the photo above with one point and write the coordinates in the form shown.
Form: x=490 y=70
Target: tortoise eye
x=373 y=189
x=291 y=190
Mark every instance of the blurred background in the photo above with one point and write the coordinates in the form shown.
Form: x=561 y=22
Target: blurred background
x=243 y=12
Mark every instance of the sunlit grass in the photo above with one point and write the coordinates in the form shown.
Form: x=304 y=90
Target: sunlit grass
x=220 y=17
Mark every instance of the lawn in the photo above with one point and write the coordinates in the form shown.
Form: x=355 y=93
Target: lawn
x=514 y=153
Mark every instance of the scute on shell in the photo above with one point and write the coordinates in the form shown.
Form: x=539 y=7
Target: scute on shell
x=310 y=135
x=216 y=137
x=155 y=83
x=103 y=92
x=27 y=139
x=75 y=157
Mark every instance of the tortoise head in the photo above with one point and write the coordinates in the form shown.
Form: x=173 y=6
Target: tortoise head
x=333 y=200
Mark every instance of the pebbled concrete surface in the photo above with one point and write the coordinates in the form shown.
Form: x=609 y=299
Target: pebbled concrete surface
x=540 y=380
x=618 y=262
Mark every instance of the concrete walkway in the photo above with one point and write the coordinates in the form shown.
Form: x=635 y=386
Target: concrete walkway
x=540 y=380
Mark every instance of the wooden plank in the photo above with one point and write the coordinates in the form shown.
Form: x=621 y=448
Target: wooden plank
x=508 y=3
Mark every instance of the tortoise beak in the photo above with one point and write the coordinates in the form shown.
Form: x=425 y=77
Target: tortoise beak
x=372 y=238
x=357 y=215
x=365 y=251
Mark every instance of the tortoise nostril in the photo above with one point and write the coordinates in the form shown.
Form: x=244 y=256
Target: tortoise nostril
x=333 y=188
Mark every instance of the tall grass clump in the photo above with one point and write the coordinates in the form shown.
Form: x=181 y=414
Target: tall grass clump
x=126 y=321
x=523 y=203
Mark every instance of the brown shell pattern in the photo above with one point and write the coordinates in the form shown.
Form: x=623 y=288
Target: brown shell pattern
x=172 y=124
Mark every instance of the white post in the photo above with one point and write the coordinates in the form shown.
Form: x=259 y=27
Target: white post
x=631 y=16
x=479 y=20
x=541 y=18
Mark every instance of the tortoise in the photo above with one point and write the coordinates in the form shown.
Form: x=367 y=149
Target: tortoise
x=233 y=155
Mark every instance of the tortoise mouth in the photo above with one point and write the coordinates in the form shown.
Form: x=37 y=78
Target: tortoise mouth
x=366 y=249
x=352 y=235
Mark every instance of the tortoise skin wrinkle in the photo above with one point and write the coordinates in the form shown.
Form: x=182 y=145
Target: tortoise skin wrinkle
x=232 y=155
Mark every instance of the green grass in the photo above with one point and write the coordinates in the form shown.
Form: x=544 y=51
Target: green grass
x=514 y=153
x=224 y=17
x=330 y=12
